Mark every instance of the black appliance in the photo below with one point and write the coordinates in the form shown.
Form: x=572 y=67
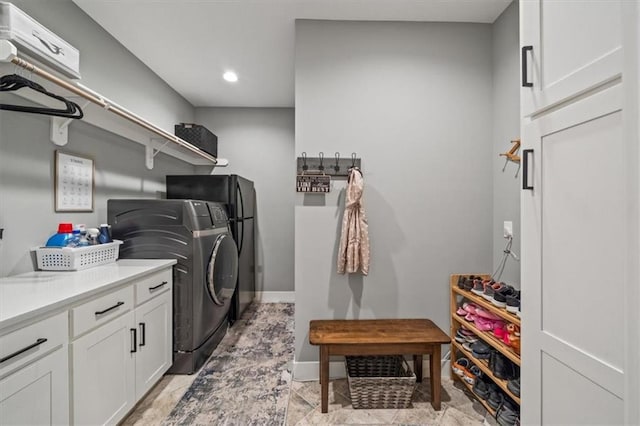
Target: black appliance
x=238 y=195
x=196 y=234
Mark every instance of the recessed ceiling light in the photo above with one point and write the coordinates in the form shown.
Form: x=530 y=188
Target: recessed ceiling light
x=230 y=76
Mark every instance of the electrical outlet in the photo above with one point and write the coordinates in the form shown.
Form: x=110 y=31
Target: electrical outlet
x=508 y=229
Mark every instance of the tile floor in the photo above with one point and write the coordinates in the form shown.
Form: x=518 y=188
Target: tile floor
x=458 y=408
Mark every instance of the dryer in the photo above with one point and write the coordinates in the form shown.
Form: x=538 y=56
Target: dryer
x=195 y=233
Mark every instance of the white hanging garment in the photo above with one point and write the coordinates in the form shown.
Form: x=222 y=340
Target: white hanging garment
x=353 y=254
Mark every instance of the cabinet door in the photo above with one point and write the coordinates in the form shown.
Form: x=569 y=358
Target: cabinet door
x=575 y=46
x=155 y=335
x=103 y=372
x=37 y=394
x=577 y=225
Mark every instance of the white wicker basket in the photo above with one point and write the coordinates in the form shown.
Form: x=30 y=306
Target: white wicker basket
x=76 y=258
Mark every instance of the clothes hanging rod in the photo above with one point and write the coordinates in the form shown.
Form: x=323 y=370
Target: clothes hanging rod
x=97 y=99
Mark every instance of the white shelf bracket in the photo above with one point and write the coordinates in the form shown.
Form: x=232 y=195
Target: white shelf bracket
x=151 y=150
x=60 y=128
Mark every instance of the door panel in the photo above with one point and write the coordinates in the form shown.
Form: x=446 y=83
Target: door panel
x=154 y=342
x=576 y=47
x=575 y=226
x=246 y=269
x=560 y=407
x=575 y=249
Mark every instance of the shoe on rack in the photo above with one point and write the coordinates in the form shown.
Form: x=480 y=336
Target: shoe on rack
x=483 y=387
x=514 y=386
x=461 y=280
x=489 y=291
x=471 y=375
x=467 y=346
x=499 y=300
x=495 y=399
x=460 y=366
x=468 y=283
x=478 y=287
x=508 y=413
x=501 y=366
x=481 y=350
x=461 y=312
x=470 y=307
x=482 y=312
x=513 y=303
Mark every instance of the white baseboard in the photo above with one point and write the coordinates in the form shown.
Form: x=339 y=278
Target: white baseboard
x=275 y=296
x=309 y=371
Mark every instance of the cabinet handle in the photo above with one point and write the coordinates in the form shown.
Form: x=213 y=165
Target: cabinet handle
x=525 y=169
x=525 y=79
x=158 y=286
x=109 y=309
x=16 y=353
x=142 y=333
x=133 y=340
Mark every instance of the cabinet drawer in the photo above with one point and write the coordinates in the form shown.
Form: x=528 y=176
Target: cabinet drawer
x=101 y=310
x=153 y=285
x=31 y=342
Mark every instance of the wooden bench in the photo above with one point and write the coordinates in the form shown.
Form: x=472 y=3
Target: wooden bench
x=415 y=337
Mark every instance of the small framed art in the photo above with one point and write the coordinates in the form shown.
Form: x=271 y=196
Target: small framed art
x=74 y=184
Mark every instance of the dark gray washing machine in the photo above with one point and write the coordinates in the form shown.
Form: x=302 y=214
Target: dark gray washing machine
x=196 y=234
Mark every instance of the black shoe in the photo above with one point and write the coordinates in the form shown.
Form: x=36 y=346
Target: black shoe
x=508 y=413
x=495 y=400
x=514 y=386
x=481 y=350
x=481 y=387
x=468 y=283
x=461 y=280
x=502 y=367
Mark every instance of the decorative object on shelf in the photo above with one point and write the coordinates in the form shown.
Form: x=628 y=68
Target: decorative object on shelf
x=199 y=136
x=512 y=155
x=74 y=183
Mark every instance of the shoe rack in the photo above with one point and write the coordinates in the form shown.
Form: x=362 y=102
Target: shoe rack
x=458 y=296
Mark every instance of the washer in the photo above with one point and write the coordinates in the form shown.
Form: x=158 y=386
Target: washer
x=195 y=233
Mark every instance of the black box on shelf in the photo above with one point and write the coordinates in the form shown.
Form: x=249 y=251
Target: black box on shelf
x=199 y=136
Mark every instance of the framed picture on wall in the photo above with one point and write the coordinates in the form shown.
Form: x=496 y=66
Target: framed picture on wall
x=74 y=184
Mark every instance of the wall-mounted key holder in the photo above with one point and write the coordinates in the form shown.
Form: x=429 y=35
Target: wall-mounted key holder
x=336 y=166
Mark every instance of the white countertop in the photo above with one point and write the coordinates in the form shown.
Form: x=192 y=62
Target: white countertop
x=32 y=294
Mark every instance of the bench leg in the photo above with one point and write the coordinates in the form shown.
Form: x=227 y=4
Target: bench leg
x=435 y=381
x=417 y=366
x=324 y=378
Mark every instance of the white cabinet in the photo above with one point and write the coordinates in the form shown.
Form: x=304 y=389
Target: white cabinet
x=579 y=213
x=154 y=353
x=568 y=48
x=34 y=379
x=104 y=373
x=125 y=352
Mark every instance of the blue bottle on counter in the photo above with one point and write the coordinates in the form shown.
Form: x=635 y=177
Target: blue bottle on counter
x=62 y=237
x=105 y=234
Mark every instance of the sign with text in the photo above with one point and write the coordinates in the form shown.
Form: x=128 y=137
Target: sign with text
x=315 y=184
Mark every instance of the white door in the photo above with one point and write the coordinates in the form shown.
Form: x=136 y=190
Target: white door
x=104 y=372
x=568 y=47
x=155 y=335
x=37 y=394
x=576 y=228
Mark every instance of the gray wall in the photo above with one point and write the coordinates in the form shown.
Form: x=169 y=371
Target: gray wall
x=26 y=154
x=414 y=101
x=506 y=126
x=259 y=144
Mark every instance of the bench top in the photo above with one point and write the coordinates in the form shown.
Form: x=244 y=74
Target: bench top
x=380 y=331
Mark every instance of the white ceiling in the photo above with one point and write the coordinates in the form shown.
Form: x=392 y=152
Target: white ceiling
x=190 y=43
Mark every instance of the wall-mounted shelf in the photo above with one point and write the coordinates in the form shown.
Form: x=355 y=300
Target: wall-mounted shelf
x=133 y=127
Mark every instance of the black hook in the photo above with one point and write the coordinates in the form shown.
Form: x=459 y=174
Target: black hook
x=337 y=167
x=304 y=162
x=353 y=159
x=321 y=167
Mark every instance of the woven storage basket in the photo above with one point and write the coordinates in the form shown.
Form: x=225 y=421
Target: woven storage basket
x=380 y=381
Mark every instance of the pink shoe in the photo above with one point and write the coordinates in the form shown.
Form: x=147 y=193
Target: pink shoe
x=484 y=324
x=470 y=317
x=481 y=312
x=461 y=312
x=469 y=307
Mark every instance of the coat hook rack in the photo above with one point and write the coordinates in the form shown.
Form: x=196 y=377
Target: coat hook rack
x=512 y=155
x=316 y=165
